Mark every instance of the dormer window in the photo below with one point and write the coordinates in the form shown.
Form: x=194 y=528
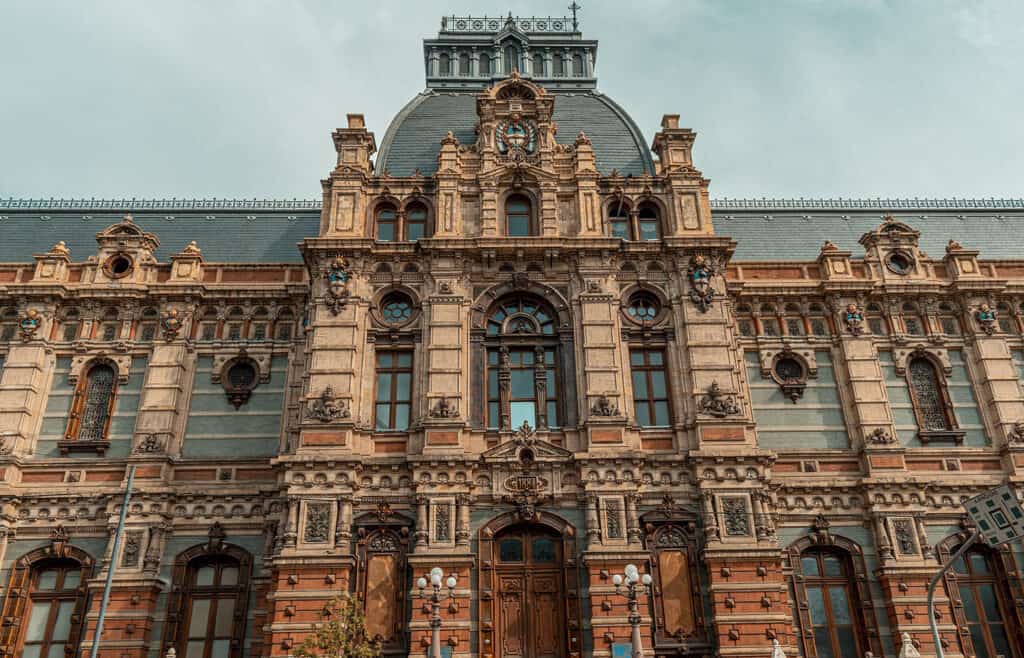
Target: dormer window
x=511 y=59
x=415 y=222
x=484 y=64
x=618 y=219
x=387 y=224
x=538 y=65
x=444 y=64
x=463 y=64
x=649 y=222
x=577 y=65
x=518 y=216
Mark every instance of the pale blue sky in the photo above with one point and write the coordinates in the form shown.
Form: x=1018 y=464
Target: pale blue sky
x=226 y=98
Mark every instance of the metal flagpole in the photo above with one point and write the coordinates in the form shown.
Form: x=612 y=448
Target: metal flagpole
x=113 y=563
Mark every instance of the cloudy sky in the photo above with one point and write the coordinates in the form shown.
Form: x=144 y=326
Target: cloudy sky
x=237 y=98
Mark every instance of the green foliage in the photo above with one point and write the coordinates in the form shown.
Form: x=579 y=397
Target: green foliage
x=342 y=633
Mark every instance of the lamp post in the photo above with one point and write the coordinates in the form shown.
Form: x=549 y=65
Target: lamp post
x=435 y=596
x=635 y=585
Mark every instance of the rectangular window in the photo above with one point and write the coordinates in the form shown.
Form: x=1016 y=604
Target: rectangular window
x=524 y=390
x=70 y=332
x=234 y=332
x=209 y=331
x=394 y=391
x=650 y=388
x=148 y=333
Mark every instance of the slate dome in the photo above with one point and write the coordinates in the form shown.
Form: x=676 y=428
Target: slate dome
x=413 y=139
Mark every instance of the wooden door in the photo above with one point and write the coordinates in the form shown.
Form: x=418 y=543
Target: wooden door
x=531 y=609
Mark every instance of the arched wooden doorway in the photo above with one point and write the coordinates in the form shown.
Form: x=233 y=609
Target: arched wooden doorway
x=529 y=607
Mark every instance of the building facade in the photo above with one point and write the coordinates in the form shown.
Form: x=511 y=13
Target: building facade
x=520 y=344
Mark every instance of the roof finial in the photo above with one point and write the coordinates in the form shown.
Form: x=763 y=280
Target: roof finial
x=573 y=8
x=510 y=22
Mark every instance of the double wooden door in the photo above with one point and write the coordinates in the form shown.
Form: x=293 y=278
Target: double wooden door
x=531 y=597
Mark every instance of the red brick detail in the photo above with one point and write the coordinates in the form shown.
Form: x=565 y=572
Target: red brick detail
x=196 y=474
x=445 y=438
x=886 y=461
x=324 y=439
x=659 y=443
x=606 y=436
x=727 y=433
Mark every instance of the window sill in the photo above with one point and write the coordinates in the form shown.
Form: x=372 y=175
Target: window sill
x=68 y=447
x=955 y=437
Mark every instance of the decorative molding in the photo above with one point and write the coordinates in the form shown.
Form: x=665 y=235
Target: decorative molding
x=328 y=407
x=882 y=205
x=717 y=403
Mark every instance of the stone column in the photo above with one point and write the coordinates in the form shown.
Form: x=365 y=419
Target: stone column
x=421 y=534
x=462 y=531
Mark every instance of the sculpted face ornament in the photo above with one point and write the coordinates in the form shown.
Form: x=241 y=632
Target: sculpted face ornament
x=700 y=273
x=986 y=317
x=337 y=278
x=171 y=324
x=30 y=324
x=854 y=319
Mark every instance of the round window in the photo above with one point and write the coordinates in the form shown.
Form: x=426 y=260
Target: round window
x=789 y=370
x=396 y=308
x=118 y=265
x=643 y=307
x=899 y=262
x=242 y=375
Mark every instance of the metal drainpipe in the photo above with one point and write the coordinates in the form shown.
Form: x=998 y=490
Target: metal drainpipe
x=113 y=562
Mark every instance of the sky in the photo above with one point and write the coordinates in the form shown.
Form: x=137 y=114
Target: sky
x=238 y=98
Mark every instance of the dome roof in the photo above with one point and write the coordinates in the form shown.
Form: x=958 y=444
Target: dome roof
x=413 y=139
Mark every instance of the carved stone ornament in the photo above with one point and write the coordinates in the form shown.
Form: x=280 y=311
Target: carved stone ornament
x=328 y=407
x=1015 y=435
x=699 y=276
x=854 y=319
x=171 y=324
x=318 y=522
x=150 y=445
x=337 y=279
x=717 y=403
x=29 y=324
x=603 y=406
x=132 y=548
x=986 y=317
x=216 y=537
x=880 y=437
x=516 y=137
x=736 y=516
x=444 y=409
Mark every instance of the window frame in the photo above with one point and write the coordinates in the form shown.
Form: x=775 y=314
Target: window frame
x=405 y=218
x=654 y=218
x=503 y=341
x=394 y=369
x=531 y=224
x=672 y=530
x=1002 y=564
x=73 y=442
x=392 y=221
x=951 y=433
x=389 y=537
x=862 y=606
x=16 y=606
x=647 y=368
x=180 y=604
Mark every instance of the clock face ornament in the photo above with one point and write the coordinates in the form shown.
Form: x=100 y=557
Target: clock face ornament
x=516 y=135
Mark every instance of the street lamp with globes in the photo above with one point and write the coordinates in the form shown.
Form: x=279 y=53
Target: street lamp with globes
x=635 y=585
x=435 y=596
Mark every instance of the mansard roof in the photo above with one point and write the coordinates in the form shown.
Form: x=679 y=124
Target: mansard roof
x=413 y=139
x=252 y=231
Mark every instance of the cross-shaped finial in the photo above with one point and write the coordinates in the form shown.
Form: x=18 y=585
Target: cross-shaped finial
x=573 y=8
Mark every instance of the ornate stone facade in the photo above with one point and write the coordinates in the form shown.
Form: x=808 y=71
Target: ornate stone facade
x=518 y=350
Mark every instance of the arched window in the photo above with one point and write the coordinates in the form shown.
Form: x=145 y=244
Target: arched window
x=444 y=66
x=92 y=406
x=559 y=62
x=463 y=64
x=522 y=364
x=988 y=610
x=618 y=219
x=538 y=65
x=933 y=409
x=577 y=65
x=485 y=64
x=833 y=624
x=415 y=222
x=211 y=593
x=650 y=225
x=53 y=615
x=518 y=216
x=387 y=224
x=511 y=59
